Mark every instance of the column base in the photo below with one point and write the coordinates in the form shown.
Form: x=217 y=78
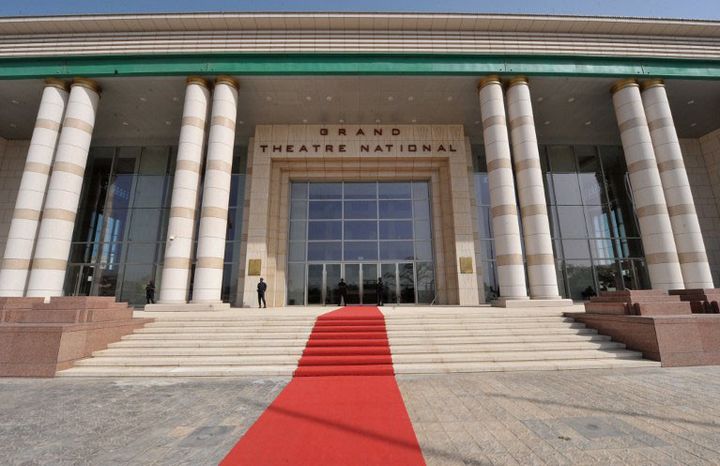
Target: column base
x=187 y=307
x=510 y=302
x=527 y=302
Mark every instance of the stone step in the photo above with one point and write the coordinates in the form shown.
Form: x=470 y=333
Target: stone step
x=395 y=342
x=286 y=371
x=512 y=366
x=261 y=360
x=393 y=321
x=328 y=328
x=400 y=349
x=174 y=371
x=145 y=335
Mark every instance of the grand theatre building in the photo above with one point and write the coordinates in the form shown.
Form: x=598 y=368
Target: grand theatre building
x=464 y=159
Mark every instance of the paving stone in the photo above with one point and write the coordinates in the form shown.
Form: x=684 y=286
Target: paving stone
x=622 y=416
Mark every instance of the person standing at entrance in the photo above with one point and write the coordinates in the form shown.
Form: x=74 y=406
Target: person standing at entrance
x=261 y=288
x=342 y=293
x=380 y=290
x=150 y=292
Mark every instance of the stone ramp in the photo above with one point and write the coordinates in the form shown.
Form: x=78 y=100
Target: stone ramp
x=423 y=340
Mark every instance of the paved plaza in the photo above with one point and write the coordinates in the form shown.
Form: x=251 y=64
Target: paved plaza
x=628 y=416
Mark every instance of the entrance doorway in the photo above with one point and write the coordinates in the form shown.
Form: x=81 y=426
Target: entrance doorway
x=361 y=279
x=360 y=231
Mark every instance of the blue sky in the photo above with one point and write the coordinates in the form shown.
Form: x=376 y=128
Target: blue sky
x=696 y=9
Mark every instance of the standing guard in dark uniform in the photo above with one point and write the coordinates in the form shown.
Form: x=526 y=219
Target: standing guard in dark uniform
x=380 y=290
x=150 y=292
x=261 y=288
x=342 y=293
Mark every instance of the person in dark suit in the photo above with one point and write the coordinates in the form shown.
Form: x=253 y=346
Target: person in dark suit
x=150 y=292
x=380 y=290
x=261 y=288
x=342 y=293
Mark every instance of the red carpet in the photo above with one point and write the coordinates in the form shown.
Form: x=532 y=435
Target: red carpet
x=343 y=406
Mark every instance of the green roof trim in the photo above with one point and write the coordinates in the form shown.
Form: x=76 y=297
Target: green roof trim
x=353 y=64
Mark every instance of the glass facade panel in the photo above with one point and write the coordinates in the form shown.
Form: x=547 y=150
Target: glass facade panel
x=121 y=226
x=395 y=209
x=361 y=230
x=592 y=220
x=593 y=232
x=324 y=230
x=325 y=210
x=324 y=251
x=396 y=250
x=298 y=231
x=401 y=229
x=325 y=191
x=361 y=209
x=395 y=190
x=360 y=251
x=360 y=191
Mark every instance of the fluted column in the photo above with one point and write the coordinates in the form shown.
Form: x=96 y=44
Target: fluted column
x=30 y=197
x=183 y=205
x=506 y=228
x=49 y=264
x=531 y=192
x=207 y=286
x=652 y=212
x=676 y=186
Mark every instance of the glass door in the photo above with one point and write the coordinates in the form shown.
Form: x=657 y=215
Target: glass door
x=406 y=275
x=352 y=278
x=369 y=282
x=315 y=284
x=389 y=276
x=332 y=278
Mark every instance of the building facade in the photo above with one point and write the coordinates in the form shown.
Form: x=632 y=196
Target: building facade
x=463 y=159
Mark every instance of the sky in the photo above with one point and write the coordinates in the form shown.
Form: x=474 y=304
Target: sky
x=691 y=9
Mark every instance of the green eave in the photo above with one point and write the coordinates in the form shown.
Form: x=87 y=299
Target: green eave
x=349 y=64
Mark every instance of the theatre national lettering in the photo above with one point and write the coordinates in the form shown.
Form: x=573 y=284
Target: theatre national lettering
x=357 y=137
x=341 y=148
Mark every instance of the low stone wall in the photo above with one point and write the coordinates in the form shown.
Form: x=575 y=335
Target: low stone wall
x=38 y=339
x=661 y=326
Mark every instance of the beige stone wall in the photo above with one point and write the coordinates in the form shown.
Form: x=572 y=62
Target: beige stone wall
x=12 y=161
x=445 y=167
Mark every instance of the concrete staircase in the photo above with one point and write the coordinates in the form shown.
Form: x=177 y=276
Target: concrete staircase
x=423 y=341
x=493 y=339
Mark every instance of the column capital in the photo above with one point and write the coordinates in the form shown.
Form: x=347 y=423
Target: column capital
x=622 y=84
x=491 y=79
x=197 y=80
x=86 y=83
x=517 y=80
x=652 y=83
x=58 y=83
x=229 y=80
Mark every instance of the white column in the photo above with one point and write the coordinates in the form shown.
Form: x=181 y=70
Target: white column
x=31 y=195
x=63 y=197
x=531 y=192
x=655 y=227
x=676 y=186
x=207 y=286
x=506 y=228
x=183 y=205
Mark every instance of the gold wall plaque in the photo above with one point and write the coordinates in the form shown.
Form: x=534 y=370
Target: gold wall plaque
x=466 y=265
x=254 y=266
